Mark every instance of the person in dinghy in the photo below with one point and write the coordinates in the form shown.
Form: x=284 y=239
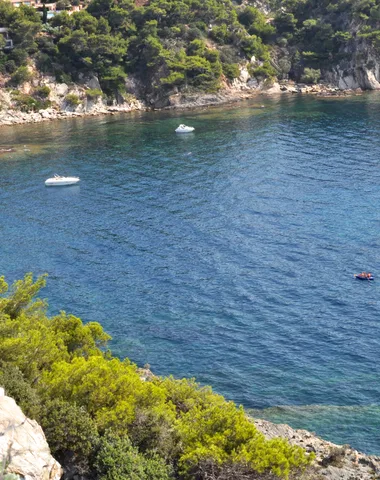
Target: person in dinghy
x=364 y=276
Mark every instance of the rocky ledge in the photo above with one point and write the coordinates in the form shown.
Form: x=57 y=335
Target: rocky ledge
x=16 y=117
x=320 y=89
x=332 y=462
x=241 y=92
x=231 y=93
x=24 y=451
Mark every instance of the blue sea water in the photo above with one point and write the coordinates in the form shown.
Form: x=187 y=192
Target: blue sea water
x=227 y=254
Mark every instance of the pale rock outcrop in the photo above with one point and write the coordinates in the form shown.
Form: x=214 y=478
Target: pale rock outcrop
x=371 y=81
x=252 y=83
x=90 y=81
x=26 y=88
x=359 y=69
x=332 y=462
x=355 y=78
x=271 y=88
x=61 y=89
x=23 y=445
x=244 y=75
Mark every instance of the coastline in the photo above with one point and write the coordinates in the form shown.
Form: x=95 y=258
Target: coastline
x=344 y=464
x=16 y=117
x=227 y=96
x=332 y=461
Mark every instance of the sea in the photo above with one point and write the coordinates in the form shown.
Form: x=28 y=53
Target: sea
x=227 y=254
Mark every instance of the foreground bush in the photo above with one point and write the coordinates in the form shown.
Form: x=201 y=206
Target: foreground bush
x=99 y=415
x=117 y=459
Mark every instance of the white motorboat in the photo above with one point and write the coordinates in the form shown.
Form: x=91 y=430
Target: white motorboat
x=58 y=181
x=184 y=129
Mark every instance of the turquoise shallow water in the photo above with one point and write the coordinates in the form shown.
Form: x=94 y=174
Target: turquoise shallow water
x=227 y=254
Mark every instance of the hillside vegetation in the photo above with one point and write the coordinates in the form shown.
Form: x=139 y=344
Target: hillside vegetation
x=102 y=420
x=187 y=45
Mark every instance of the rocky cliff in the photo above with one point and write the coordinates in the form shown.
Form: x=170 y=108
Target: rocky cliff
x=359 y=69
x=24 y=451
x=60 y=100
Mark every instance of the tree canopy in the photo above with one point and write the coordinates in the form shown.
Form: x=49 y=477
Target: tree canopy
x=155 y=42
x=116 y=423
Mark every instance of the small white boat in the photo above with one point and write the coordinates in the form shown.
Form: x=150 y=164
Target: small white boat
x=184 y=129
x=58 y=181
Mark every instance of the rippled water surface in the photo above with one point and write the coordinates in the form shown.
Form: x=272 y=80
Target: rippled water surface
x=227 y=254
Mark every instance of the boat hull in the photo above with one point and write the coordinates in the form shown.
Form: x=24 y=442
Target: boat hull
x=185 y=130
x=61 y=182
x=358 y=277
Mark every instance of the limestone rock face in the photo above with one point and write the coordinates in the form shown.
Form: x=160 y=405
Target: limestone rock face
x=359 y=69
x=244 y=75
x=23 y=445
x=61 y=89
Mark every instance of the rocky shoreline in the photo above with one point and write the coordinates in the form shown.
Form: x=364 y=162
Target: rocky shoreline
x=16 y=117
x=239 y=92
x=23 y=443
x=332 y=462
x=229 y=96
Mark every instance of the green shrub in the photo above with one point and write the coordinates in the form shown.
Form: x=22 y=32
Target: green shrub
x=20 y=76
x=117 y=459
x=93 y=93
x=62 y=77
x=17 y=387
x=72 y=100
x=153 y=431
x=10 y=66
x=27 y=103
x=42 y=92
x=253 y=45
x=220 y=34
x=69 y=429
x=194 y=33
x=196 y=47
x=175 y=78
x=311 y=75
x=44 y=62
x=231 y=70
x=19 y=55
x=266 y=71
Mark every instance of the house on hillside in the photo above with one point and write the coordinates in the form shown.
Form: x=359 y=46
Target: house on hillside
x=51 y=7
x=8 y=41
x=18 y=3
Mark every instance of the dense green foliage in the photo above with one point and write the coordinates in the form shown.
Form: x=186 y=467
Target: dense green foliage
x=167 y=43
x=97 y=410
x=185 y=44
x=321 y=34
